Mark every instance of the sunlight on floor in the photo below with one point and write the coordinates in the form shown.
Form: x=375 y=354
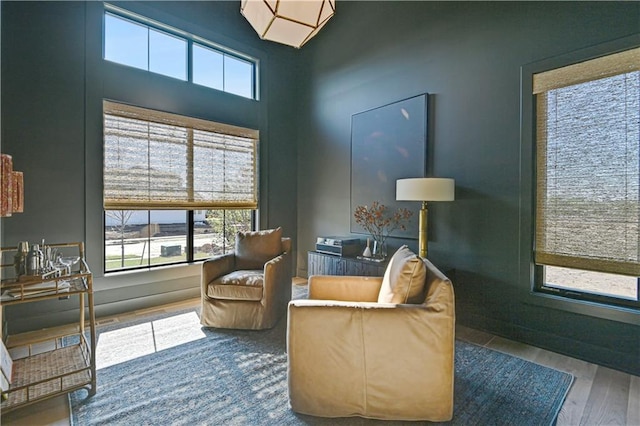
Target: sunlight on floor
x=131 y=342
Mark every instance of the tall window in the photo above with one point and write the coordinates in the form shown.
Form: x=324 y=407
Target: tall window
x=137 y=42
x=176 y=188
x=587 y=241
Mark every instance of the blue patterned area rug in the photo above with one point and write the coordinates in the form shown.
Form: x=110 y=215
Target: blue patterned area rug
x=169 y=371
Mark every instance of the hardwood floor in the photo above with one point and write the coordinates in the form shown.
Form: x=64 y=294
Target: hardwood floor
x=598 y=396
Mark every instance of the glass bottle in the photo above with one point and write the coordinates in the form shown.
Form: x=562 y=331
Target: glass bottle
x=34 y=260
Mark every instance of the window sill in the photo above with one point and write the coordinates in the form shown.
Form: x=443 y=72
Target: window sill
x=145 y=276
x=609 y=312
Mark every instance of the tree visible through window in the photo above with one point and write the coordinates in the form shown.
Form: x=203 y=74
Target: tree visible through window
x=147 y=238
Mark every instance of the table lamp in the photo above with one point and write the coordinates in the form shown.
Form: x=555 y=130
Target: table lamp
x=424 y=189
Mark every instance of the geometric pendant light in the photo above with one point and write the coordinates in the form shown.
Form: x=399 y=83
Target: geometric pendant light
x=290 y=22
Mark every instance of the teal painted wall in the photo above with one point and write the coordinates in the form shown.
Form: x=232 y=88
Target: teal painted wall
x=468 y=57
x=53 y=83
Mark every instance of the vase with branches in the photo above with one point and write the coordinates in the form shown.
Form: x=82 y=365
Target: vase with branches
x=380 y=222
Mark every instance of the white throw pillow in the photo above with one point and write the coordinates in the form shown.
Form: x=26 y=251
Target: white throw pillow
x=404 y=278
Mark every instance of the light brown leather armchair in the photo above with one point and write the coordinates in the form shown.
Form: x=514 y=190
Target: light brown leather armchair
x=250 y=287
x=357 y=348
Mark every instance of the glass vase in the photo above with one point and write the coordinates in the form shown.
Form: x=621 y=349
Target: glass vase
x=379 y=250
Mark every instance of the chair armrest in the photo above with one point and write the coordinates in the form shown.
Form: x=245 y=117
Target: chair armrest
x=276 y=262
x=286 y=244
x=277 y=269
x=277 y=280
x=215 y=267
x=345 y=288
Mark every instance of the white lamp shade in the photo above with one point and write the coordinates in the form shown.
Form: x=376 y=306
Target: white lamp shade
x=425 y=189
x=290 y=22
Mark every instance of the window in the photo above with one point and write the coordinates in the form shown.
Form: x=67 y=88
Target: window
x=130 y=43
x=221 y=71
x=126 y=42
x=176 y=188
x=207 y=67
x=237 y=76
x=167 y=54
x=587 y=241
x=147 y=238
x=137 y=42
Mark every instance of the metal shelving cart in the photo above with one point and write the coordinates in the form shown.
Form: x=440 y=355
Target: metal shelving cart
x=51 y=362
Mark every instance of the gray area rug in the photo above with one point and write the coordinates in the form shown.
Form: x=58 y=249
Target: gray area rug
x=235 y=377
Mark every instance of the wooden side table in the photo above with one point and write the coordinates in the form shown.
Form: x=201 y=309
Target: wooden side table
x=329 y=264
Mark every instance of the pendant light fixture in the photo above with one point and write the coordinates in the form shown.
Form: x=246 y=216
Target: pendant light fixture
x=290 y=22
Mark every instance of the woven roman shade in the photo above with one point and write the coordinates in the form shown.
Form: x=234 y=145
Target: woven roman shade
x=588 y=165
x=155 y=160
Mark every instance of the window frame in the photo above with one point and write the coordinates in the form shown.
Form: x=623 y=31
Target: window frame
x=191 y=124
x=530 y=274
x=540 y=267
x=541 y=286
x=190 y=246
x=191 y=39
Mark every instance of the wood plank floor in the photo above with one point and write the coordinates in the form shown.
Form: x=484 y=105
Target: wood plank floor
x=598 y=396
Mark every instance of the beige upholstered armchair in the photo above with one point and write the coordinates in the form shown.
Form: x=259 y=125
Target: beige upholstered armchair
x=250 y=287
x=379 y=348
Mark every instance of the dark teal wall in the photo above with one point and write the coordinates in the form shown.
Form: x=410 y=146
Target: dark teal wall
x=43 y=117
x=53 y=83
x=468 y=57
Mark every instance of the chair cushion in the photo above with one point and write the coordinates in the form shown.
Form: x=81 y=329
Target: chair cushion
x=404 y=278
x=238 y=285
x=255 y=248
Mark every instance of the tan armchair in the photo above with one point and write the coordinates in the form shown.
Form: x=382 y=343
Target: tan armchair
x=379 y=348
x=250 y=287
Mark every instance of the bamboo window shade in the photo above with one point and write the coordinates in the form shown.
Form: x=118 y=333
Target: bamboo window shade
x=155 y=160
x=588 y=165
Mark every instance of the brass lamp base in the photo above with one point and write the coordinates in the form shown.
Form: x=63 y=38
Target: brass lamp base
x=422 y=235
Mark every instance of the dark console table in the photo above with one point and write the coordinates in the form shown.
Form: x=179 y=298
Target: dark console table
x=329 y=264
